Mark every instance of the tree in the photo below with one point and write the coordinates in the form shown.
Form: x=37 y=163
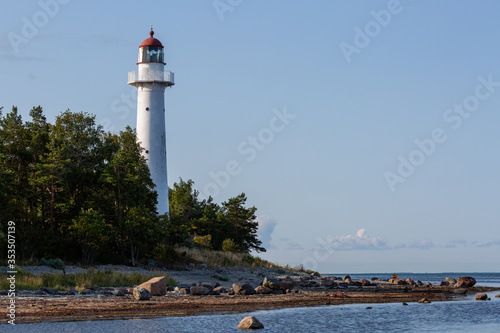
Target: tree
x=141 y=231
x=241 y=224
x=92 y=232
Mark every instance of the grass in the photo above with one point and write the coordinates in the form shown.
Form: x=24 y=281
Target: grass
x=226 y=259
x=28 y=281
x=231 y=259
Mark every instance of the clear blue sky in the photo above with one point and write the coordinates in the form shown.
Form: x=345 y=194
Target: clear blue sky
x=358 y=93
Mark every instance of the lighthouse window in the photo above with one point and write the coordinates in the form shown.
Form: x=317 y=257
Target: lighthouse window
x=152 y=54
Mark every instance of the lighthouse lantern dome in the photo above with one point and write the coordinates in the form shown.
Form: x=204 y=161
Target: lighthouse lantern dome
x=151 y=50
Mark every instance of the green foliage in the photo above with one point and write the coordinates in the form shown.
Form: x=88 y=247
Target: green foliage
x=92 y=232
x=166 y=253
x=203 y=241
x=228 y=245
x=54 y=263
x=70 y=182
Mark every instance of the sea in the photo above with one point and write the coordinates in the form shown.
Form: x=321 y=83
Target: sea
x=464 y=314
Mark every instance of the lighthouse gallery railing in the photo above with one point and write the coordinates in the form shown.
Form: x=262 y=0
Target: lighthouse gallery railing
x=149 y=75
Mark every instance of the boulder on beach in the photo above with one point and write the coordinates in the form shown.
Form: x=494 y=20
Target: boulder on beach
x=157 y=286
x=451 y=280
x=327 y=283
x=207 y=285
x=271 y=283
x=410 y=282
x=141 y=293
x=347 y=277
x=444 y=283
x=261 y=290
x=199 y=290
x=249 y=323
x=481 y=297
x=365 y=282
x=48 y=290
x=243 y=289
x=118 y=292
x=465 y=282
x=287 y=285
x=220 y=290
x=399 y=282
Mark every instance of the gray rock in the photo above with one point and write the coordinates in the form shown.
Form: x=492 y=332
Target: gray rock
x=451 y=281
x=87 y=291
x=220 y=290
x=465 y=282
x=263 y=290
x=424 y=301
x=460 y=291
x=118 y=292
x=199 y=290
x=243 y=289
x=249 y=323
x=141 y=294
x=48 y=290
x=271 y=283
x=206 y=285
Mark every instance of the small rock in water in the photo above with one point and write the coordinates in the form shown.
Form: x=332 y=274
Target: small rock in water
x=404 y=303
x=424 y=301
x=481 y=297
x=369 y=307
x=250 y=323
x=460 y=291
x=498 y=295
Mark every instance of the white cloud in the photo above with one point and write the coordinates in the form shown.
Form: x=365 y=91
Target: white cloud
x=265 y=231
x=359 y=241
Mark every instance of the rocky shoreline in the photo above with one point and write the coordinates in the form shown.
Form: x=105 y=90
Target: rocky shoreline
x=223 y=290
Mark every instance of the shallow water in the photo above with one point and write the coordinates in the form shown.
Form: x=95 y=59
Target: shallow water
x=463 y=315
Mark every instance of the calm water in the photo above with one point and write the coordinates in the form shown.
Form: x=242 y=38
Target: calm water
x=463 y=315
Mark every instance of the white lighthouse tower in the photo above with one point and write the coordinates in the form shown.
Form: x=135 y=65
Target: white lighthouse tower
x=151 y=79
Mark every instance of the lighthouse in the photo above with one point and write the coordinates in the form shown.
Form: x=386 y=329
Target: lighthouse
x=151 y=79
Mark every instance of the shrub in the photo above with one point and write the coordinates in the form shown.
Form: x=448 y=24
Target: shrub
x=228 y=245
x=203 y=241
x=54 y=263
